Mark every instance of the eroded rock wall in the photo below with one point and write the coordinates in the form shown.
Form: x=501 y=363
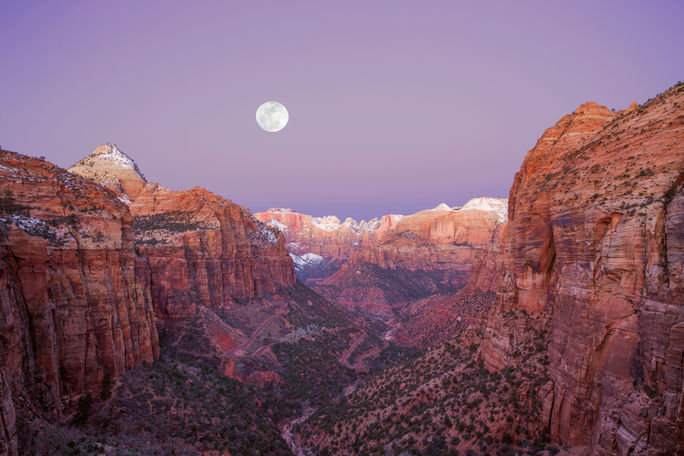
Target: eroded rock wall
x=593 y=250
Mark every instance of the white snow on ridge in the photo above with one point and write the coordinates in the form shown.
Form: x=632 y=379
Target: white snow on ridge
x=268 y=234
x=275 y=223
x=497 y=205
x=328 y=223
x=371 y=225
x=308 y=260
x=111 y=153
x=106 y=157
x=280 y=210
x=331 y=223
x=442 y=207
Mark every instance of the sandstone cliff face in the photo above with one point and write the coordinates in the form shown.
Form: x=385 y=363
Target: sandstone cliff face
x=203 y=249
x=593 y=252
x=84 y=271
x=72 y=310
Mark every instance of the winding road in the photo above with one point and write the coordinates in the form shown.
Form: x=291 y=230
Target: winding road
x=242 y=349
x=344 y=358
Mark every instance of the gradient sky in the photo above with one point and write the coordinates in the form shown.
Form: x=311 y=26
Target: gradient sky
x=394 y=106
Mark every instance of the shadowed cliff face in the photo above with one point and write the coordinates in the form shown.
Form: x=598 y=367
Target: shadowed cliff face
x=72 y=310
x=593 y=246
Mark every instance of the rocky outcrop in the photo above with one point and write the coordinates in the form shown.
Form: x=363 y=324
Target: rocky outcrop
x=592 y=253
x=203 y=249
x=111 y=168
x=73 y=312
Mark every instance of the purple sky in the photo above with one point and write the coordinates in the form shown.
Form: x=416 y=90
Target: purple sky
x=394 y=106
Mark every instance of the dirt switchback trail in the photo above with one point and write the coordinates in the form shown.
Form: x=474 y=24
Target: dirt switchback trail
x=241 y=350
x=343 y=359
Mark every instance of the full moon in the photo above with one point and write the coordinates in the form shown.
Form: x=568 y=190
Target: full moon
x=272 y=116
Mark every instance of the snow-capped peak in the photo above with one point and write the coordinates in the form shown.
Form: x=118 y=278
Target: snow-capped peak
x=107 y=157
x=113 y=154
x=442 y=207
x=497 y=205
x=275 y=223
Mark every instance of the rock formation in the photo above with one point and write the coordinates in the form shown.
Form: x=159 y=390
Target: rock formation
x=198 y=247
x=203 y=249
x=73 y=312
x=584 y=343
x=113 y=169
x=86 y=262
x=593 y=252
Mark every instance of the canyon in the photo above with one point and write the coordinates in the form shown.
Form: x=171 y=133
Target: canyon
x=384 y=268
x=583 y=338
x=135 y=318
x=104 y=272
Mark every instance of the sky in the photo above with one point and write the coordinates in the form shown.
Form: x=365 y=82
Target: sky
x=394 y=106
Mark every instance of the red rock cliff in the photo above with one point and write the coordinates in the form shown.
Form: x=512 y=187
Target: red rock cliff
x=72 y=310
x=198 y=248
x=593 y=251
x=201 y=248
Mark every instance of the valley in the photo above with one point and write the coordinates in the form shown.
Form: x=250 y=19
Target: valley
x=136 y=319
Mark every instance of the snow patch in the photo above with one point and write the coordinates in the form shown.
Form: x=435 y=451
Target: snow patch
x=371 y=225
x=112 y=154
x=306 y=261
x=5 y=168
x=497 y=205
x=280 y=210
x=442 y=207
x=328 y=223
x=107 y=156
x=268 y=234
x=277 y=224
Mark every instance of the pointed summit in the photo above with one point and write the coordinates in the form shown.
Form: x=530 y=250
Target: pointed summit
x=442 y=207
x=111 y=153
x=112 y=168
